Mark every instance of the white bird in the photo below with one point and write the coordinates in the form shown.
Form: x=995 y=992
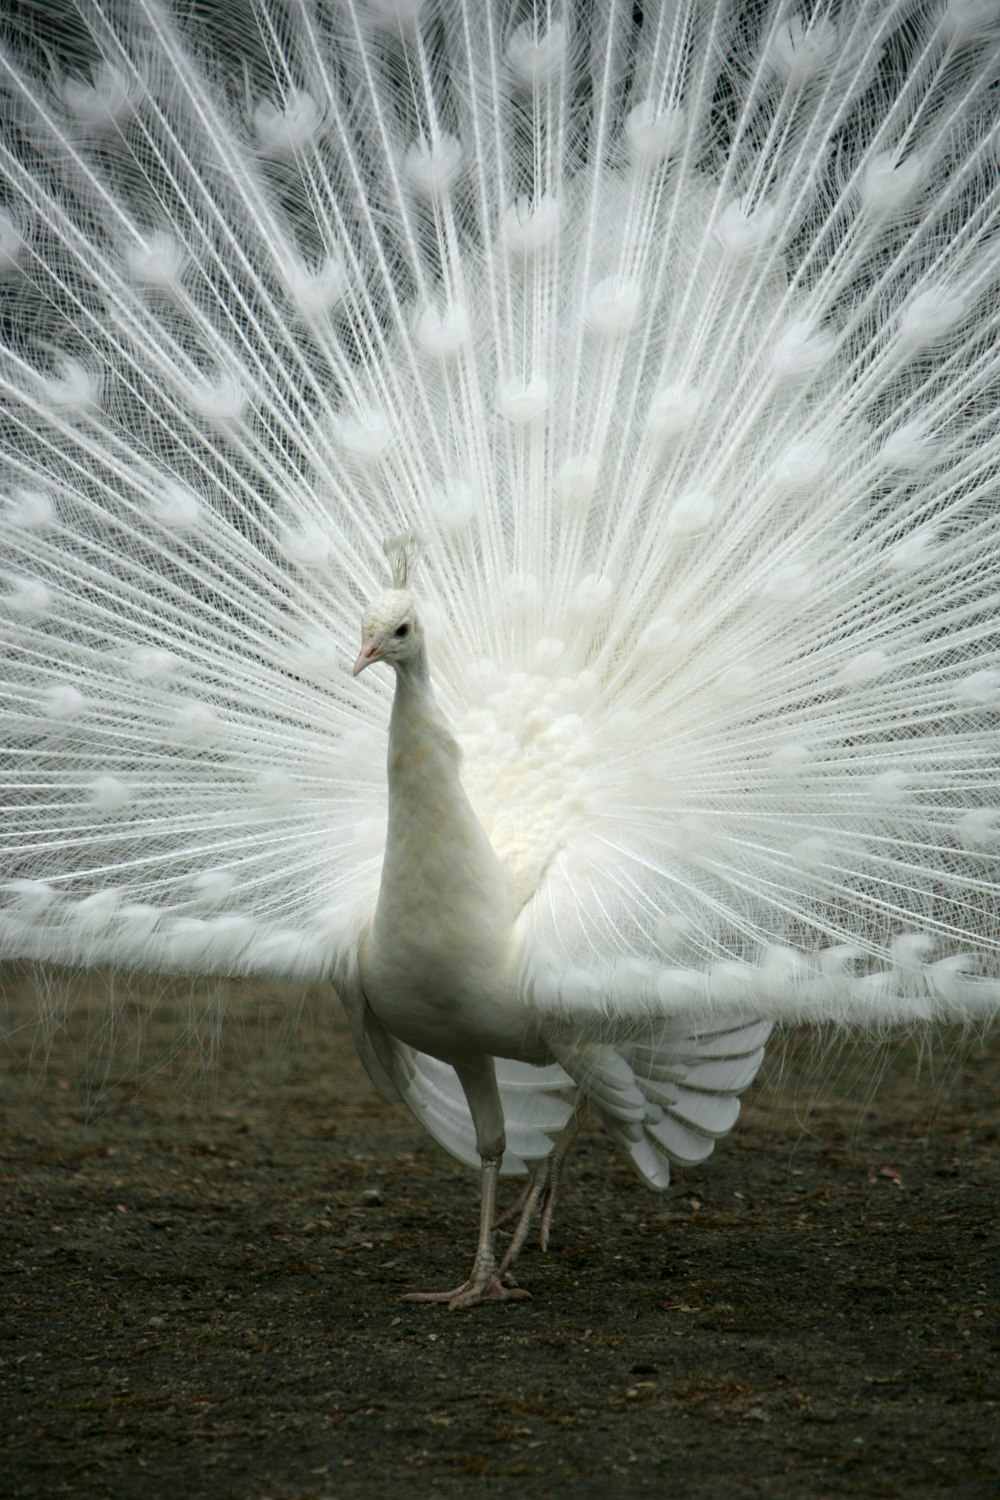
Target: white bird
x=438 y=976
x=673 y=331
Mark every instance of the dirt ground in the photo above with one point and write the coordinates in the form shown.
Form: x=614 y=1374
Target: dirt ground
x=206 y=1245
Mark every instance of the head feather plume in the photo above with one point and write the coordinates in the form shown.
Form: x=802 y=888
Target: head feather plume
x=403 y=553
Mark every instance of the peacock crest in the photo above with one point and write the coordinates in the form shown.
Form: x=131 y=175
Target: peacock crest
x=402 y=553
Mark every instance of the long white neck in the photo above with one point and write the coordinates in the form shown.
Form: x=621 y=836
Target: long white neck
x=433 y=834
x=414 y=704
x=435 y=964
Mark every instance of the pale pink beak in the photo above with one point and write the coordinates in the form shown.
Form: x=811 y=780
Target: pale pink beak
x=369 y=653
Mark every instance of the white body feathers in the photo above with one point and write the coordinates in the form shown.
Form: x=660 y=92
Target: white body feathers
x=678 y=341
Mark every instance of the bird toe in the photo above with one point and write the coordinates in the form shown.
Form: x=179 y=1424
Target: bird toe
x=494 y=1289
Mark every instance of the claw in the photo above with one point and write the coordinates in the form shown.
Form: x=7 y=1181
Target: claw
x=496 y=1288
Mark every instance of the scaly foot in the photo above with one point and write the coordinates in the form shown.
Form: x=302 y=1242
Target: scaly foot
x=474 y=1291
x=540 y=1195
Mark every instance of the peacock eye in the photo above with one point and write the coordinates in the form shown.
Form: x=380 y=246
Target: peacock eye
x=401 y=631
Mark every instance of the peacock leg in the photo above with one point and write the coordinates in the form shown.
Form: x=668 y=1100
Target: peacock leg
x=542 y=1193
x=486 y=1284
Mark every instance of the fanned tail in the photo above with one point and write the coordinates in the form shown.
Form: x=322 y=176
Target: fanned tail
x=673 y=331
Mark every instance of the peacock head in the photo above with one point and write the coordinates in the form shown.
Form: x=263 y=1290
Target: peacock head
x=390 y=631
